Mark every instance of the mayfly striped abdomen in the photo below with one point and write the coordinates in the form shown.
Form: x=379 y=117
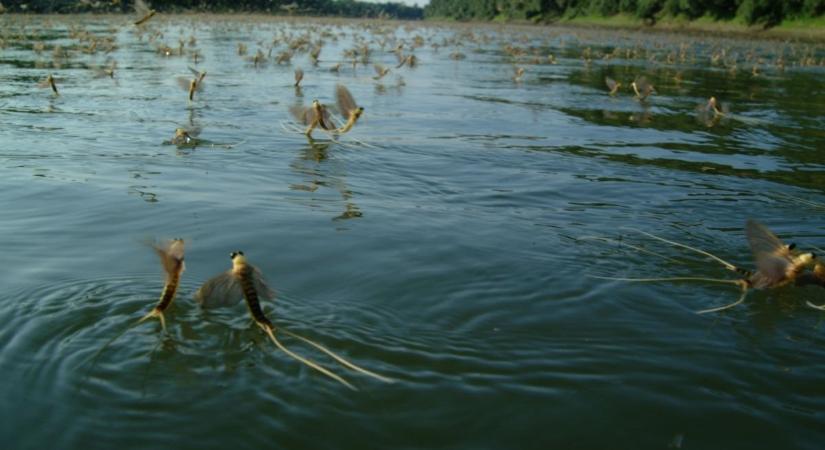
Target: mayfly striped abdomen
x=245 y=280
x=171 y=258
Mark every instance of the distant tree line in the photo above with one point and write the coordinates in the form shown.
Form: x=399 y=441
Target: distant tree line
x=767 y=12
x=347 y=8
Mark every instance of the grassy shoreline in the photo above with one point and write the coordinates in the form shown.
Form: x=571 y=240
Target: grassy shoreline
x=804 y=29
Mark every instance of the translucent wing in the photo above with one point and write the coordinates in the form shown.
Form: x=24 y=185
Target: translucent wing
x=610 y=82
x=644 y=87
x=326 y=121
x=171 y=254
x=345 y=101
x=299 y=75
x=184 y=83
x=772 y=257
x=195 y=72
x=193 y=130
x=141 y=8
x=379 y=69
x=219 y=291
x=301 y=114
x=261 y=287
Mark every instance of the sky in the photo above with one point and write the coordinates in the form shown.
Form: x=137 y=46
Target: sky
x=406 y=2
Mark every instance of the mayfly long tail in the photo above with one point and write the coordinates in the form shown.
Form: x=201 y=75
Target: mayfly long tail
x=305 y=361
x=721 y=308
x=727 y=265
x=111 y=341
x=625 y=244
x=648 y=280
x=338 y=358
x=814 y=306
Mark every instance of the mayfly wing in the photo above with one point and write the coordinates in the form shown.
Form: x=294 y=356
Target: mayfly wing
x=299 y=75
x=171 y=255
x=379 y=69
x=184 y=83
x=771 y=256
x=326 y=121
x=141 y=8
x=643 y=86
x=193 y=130
x=302 y=114
x=762 y=240
x=610 y=82
x=346 y=103
x=261 y=286
x=194 y=71
x=221 y=290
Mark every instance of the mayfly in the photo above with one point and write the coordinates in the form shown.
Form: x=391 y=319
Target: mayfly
x=193 y=85
x=380 y=71
x=171 y=260
x=776 y=264
x=106 y=71
x=143 y=12
x=710 y=113
x=50 y=82
x=245 y=281
x=348 y=108
x=612 y=85
x=518 y=74
x=316 y=115
x=299 y=75
x=642 y=88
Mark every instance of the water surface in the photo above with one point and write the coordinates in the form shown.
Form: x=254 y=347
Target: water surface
x=445 y=242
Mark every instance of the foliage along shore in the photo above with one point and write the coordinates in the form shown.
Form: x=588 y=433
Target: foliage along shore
x=343 y=8
x=790 y=17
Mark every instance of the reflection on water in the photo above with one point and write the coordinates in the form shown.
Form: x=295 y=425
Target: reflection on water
x=483 y=203
x=312 y=166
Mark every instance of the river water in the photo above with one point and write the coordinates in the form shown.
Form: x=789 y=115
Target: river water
x=449 y=241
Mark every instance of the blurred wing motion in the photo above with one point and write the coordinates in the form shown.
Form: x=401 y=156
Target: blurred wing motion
x=643 y=88
x=610 y=82
x=346 y=103
x=302 y=114
x=219 y=291
x=171 y=257
x=141 y=8
x=326 y=121
x=143 y=12
x=299 y=75
x=184 y=83
x=261 y=287
x=772 y=257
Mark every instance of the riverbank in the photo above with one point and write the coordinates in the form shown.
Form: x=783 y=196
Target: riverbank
x=802 y=29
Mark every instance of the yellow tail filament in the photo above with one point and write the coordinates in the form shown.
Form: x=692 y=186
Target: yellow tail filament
x=727 y=265
x=338 y=358
x=647 y=280
x=819 y=307
x=741 y=299
x=303 y=360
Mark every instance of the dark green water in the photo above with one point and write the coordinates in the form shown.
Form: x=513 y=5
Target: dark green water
x=445 y=242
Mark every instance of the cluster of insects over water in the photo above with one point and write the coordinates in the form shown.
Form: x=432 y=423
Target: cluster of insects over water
x=776 y=264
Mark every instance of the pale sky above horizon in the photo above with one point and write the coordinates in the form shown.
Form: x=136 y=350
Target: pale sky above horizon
x=406 y=2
